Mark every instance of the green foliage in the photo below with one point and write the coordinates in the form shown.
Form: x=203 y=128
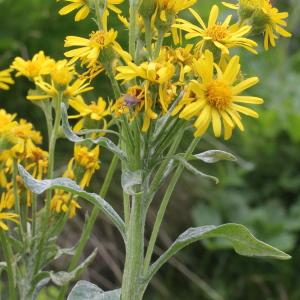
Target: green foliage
x=87 y=290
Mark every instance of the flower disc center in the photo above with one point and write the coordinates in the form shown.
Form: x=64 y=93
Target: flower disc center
x=218 y=94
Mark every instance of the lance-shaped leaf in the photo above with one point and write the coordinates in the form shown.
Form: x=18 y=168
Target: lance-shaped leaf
x=63 y=278
x=60 y=278
x=86 y=290
x=192 y=169
x=102 y=141
x=243 y=242
x=213 y=156
x=65 y=184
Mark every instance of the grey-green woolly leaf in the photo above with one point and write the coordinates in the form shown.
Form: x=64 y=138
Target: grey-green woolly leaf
x=63 y=278
x=243 y=242
x=102 y=141
x=129 y=180
x=39 y=281
x=213 y=156
x=60 y=278
x=64 y=251
x=65 y=184
x=86 y=290
x=192 y=169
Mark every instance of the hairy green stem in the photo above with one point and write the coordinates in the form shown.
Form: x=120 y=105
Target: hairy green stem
x=162 y=169
x=148 y=35
x=132 y=28
x=17 y=200
x=134 y=252
x=90 y=224
x=163 y=207
x=8 y=255
x=51 y=159
x=159 y=43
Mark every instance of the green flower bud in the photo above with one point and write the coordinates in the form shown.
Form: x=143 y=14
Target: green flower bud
x=147 y=8
x=249 y=7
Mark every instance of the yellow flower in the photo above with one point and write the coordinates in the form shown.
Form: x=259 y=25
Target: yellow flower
x=64 y=202
x=172 y=7
x=62 y=73
x=95 y=111
x=47 y=90
x=274 y=24
x=5 y=79
x=81 y=5
x=7 y=216
x=216 y=97
x=136 y=100
x=88 y=159
x=84 y=8
x=90 y=49
x=152 y=71
x=181 y=57
x=37 y=66
x=263 y=18
x=36 y=160
x=223 y=36
x=7 y=198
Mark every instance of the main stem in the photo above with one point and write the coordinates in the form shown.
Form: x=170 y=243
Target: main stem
x=131 y=285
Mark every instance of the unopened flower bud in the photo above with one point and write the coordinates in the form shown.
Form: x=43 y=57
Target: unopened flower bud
x=147 y=8
x=249 y=7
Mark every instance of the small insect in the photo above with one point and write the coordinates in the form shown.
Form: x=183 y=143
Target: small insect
x=131 y=100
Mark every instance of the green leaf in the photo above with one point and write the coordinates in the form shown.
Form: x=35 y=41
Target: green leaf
x=65 y=184
x=63 y=278
x=192 y=169
x=60 y=278
x=86 y=290
x=102 y=141
x=129 y=180
x=213 y=156
x=243 y=242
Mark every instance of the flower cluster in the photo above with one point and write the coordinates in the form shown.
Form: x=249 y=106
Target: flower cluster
x=203 y=74
x=19 y=143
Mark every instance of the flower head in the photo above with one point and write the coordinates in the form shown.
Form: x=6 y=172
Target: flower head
x=84 y=8
x=154 y=72
x=136 y=100
x=222 y=36
x=274 y=24
x=89 y=50
x=63 y=202
x=264 y=18
x=37 y=66
x=95 y=110
x=173 y=7
x=88 y=160
x=216 y=97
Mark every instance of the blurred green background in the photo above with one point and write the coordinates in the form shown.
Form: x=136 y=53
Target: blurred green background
x=261 y=191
